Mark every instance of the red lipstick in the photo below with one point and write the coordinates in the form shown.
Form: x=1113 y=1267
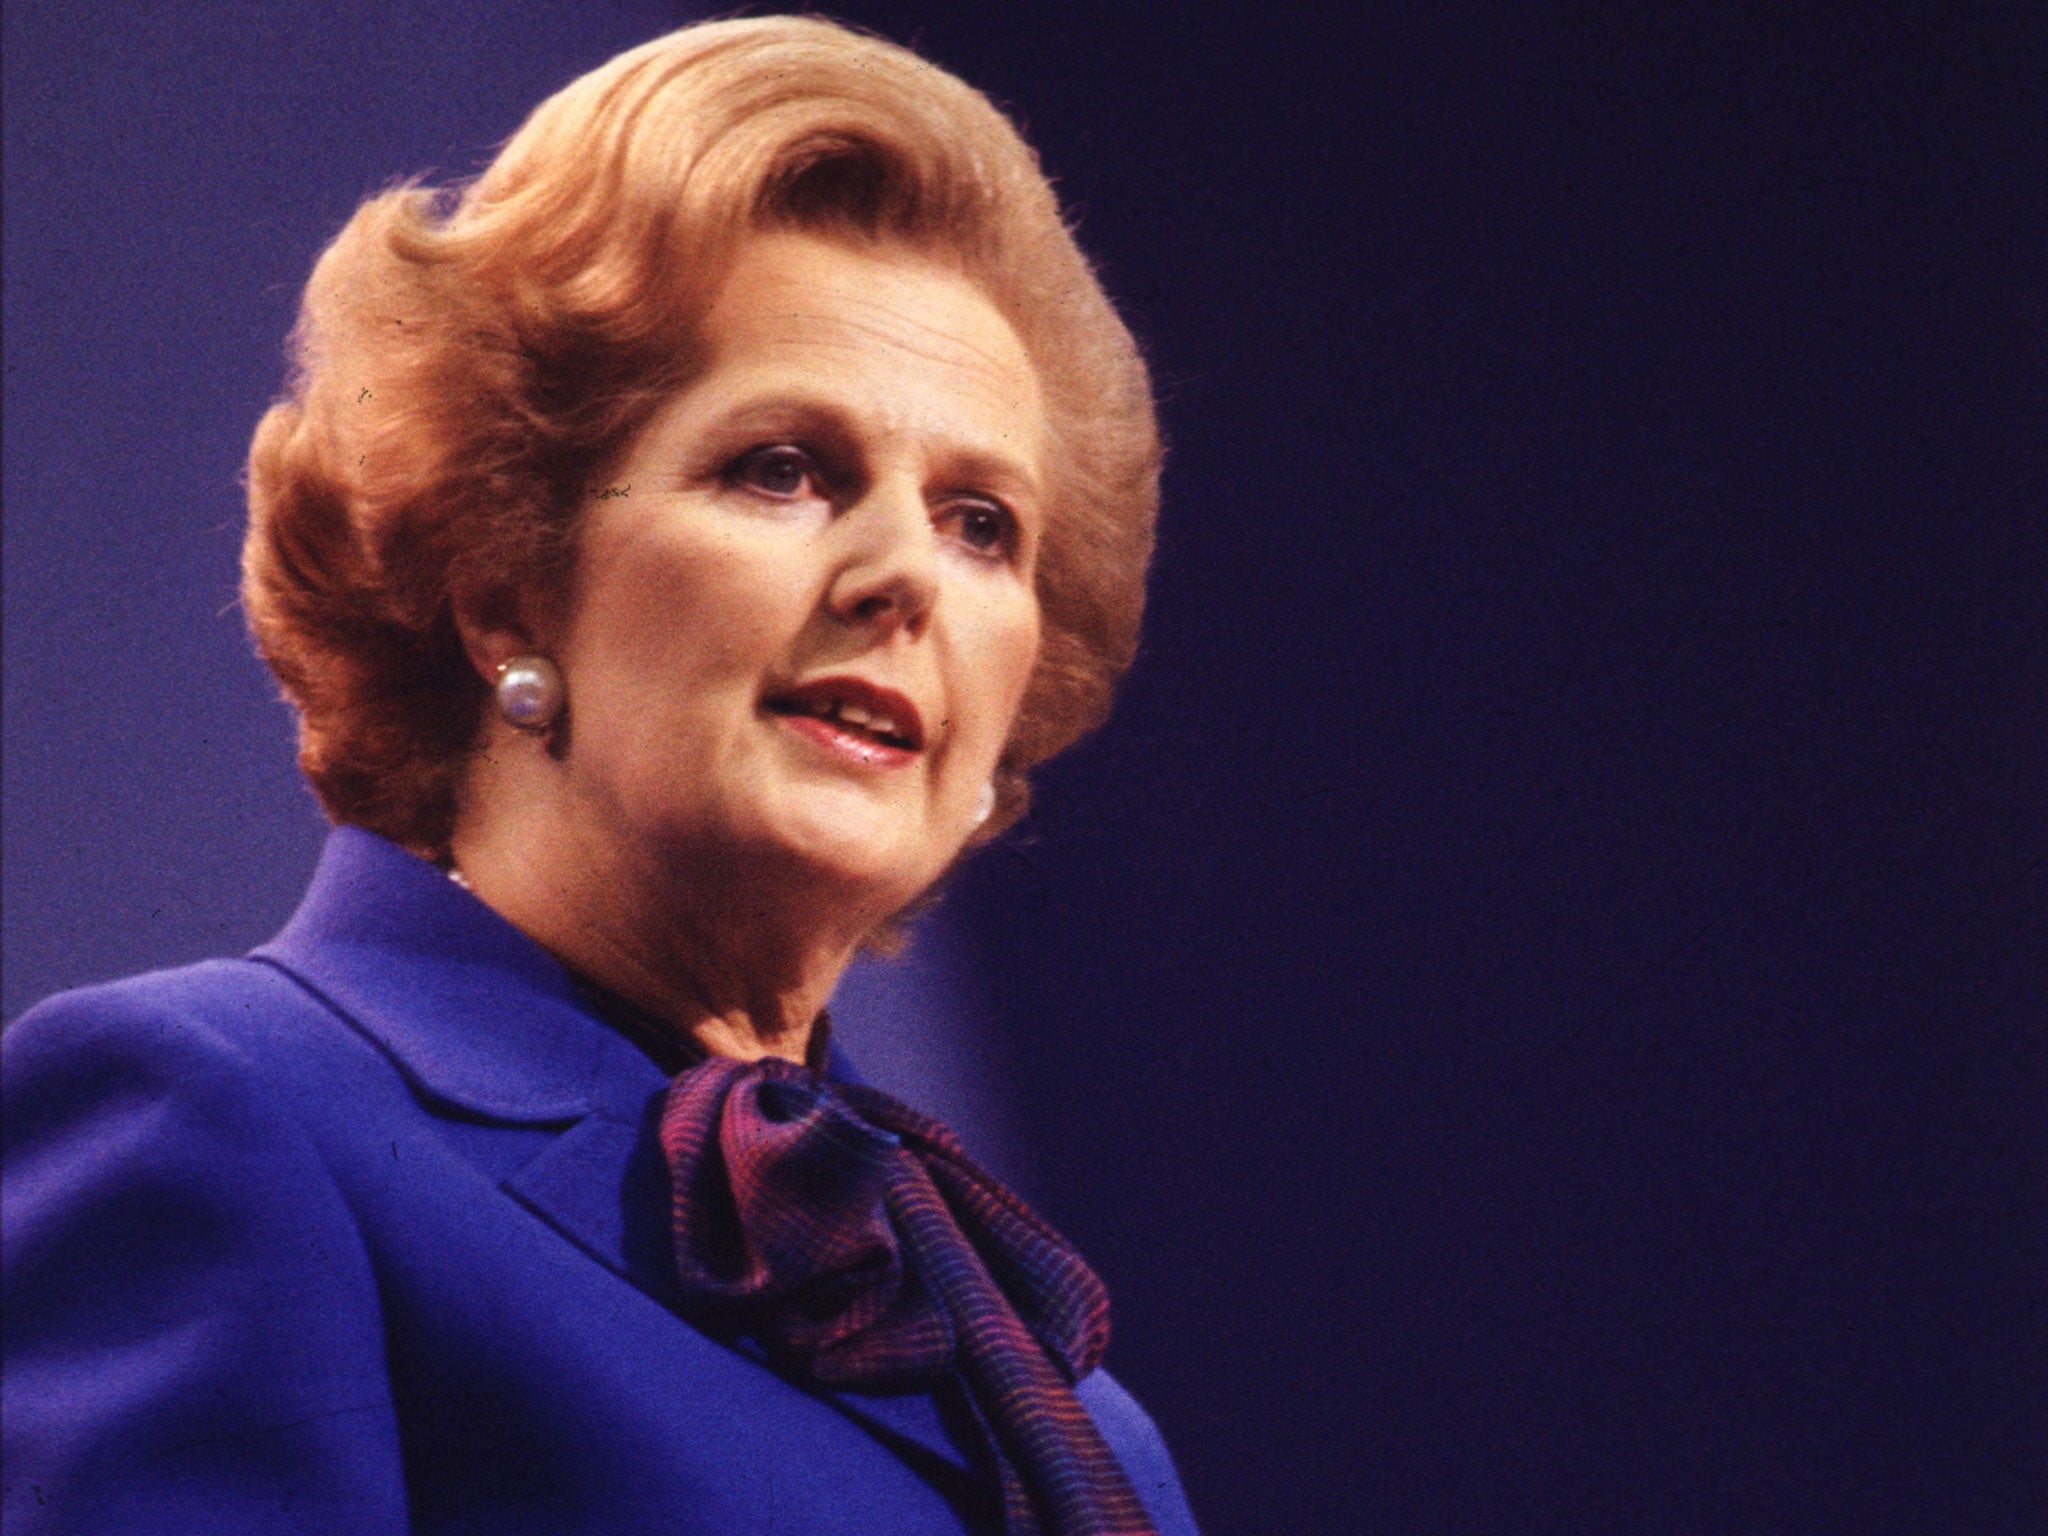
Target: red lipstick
x=856 y=720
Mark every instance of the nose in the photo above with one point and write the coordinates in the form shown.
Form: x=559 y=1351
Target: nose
x=888 y=578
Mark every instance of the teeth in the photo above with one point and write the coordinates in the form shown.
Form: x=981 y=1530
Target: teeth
x=878 y=722
x=860 y=715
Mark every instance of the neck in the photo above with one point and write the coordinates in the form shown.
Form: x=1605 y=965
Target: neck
x=738 y=960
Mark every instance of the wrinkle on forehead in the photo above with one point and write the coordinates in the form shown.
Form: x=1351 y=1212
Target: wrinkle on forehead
x=795 y=300
x=900 y=329
x=771 y=302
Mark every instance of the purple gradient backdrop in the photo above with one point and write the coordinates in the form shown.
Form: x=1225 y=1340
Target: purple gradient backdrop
x=1535 y=1004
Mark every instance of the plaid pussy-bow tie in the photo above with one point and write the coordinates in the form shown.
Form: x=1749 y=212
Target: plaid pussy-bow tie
x=860 y=1245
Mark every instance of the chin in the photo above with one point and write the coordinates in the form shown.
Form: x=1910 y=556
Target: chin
x=861 y=846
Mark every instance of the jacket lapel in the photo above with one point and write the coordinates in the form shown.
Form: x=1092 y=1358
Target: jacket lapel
x=604 y=1185
x=488 y=1026
x=479 y=1018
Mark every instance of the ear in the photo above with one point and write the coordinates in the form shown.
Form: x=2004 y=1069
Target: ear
x=494 y=627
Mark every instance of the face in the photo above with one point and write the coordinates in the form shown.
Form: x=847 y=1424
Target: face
x=803 y=617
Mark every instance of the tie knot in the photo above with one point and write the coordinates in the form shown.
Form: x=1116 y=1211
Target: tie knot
x=782 y=1224
x=857 y=1241
x=794 y=1202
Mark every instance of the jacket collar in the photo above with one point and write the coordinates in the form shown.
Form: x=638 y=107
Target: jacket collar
x=485 y=1023
x=477 y=1016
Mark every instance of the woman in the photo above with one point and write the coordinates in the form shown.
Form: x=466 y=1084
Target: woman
x=678 y=548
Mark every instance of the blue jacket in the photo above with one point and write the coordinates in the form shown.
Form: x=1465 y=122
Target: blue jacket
x=367 y=1233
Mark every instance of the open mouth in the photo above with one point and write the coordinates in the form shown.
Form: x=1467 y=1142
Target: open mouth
x=861 y=709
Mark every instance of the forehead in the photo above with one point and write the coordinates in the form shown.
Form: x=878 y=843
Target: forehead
x=908 y=336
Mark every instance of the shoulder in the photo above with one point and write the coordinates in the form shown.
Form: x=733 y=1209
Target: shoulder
x=103 y=1048
x=194 y=1011
x=157 y=1126
x=189 y=1298
x=165 y=1085
x=213 y=1083
x=237 y=1029
x=1136 y=1440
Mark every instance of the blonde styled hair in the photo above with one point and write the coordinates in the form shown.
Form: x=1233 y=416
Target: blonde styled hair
x=464 y=360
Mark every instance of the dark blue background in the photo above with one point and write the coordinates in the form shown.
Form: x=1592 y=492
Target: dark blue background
x=1535 y=1004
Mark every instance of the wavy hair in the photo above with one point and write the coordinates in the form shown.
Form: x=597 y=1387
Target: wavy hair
x=464 y=359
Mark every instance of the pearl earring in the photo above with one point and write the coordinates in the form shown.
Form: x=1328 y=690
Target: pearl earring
x=985 y=807
x=530 y=692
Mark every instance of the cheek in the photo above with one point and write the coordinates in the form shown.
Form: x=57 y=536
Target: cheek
x=1008 y=658
x=681 y=607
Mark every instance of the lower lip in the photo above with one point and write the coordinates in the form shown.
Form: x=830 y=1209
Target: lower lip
x=847 y=747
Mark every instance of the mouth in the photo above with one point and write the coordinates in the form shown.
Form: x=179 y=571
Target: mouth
x=864 y=712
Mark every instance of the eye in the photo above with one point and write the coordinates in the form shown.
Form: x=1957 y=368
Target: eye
x=986 y=527
x=780 y=470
